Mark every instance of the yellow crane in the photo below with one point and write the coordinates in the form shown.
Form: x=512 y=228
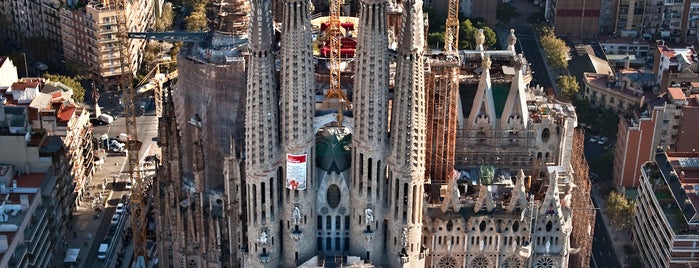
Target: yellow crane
x=138 y=210
x=451 y=35
x=335 y=34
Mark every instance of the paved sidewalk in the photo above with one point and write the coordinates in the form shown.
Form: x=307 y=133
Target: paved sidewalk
x=617 y=237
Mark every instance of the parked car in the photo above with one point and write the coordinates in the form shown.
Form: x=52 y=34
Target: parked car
x=120 y=208
x=115 y=219
x=602 y=140
x=107 y=119
x=594 y=139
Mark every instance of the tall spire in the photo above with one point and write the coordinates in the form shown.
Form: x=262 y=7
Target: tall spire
x=515 y=114
x=298 y=135
x=369 y=138
x=407 y=158
x=483 y=109
x=261 y=141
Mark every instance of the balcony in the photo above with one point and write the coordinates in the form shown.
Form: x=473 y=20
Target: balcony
x=296 y=234
x=40 y=225
x=109 y=40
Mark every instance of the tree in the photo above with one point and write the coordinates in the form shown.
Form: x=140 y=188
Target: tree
x=568 y=85
x=436 y=39
x=556 y=50
x=70 y=82
x=196 y=21
x=468 y=31
x=620 y=210
x=164 y=23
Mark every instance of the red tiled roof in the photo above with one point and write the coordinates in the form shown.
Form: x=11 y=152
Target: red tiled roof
x=24 y=85
x=65 y=112
x=676 y=93
x=32 y=180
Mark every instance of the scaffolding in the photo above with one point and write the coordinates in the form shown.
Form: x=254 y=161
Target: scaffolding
x=442 y=94
x=584 y=212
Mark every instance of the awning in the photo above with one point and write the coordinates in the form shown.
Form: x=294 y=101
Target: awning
x=72 y=255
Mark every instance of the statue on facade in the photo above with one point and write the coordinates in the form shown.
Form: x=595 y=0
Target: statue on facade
x=296 y=215
x=369 y=215
x=264 y=237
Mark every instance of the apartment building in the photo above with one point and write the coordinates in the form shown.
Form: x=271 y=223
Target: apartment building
x=667 y=121
x=672 y=20
x=629 y=17
x=45 y=156
x=616 y=92
x=90 y=37
x=574 y=17
x=666 y=225
x=33 y=24
x=675 y=67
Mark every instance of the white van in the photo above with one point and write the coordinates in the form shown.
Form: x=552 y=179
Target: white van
x=102 y=252
x=106 y=118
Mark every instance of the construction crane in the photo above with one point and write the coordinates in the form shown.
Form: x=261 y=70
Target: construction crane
x=451 y=35
x=158 y=81
x=138 y=210
x=335 y=34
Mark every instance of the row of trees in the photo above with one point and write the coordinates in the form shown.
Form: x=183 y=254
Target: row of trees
x=555 y=49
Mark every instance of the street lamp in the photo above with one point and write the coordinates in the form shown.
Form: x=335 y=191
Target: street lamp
x=26 y=68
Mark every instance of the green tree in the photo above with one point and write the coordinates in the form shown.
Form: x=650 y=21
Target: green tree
x=620 y=210
x=556 y=51
x=78 y=90
x=568 y=86
x=468 y=31
x=436 y=39
x=164 y=23
x=196 y=21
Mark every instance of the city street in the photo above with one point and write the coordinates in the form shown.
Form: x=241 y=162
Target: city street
x=603 y=255
x=88 y=231
x=529 y=43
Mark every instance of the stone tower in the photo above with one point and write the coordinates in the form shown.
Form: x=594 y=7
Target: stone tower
x=551 y=238
x=262 y=150
x=369 y=139
x=406 y=164
x=298 y=137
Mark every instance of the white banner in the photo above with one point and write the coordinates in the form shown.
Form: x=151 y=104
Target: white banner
x=296 y=171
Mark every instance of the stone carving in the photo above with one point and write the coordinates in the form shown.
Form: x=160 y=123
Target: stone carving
x=369 y=215
x=296 y=215
x=404 y=237
x=480 y=40
x=264 y=237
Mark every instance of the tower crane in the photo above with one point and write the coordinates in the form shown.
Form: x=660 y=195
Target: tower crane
x=451 y=35
x=334 y=32
x=138 y=210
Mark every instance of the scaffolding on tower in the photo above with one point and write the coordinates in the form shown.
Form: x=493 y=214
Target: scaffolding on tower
x=442 y=92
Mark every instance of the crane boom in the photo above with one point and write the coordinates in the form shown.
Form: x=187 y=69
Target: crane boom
x=191 y=37
x=138 y=211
